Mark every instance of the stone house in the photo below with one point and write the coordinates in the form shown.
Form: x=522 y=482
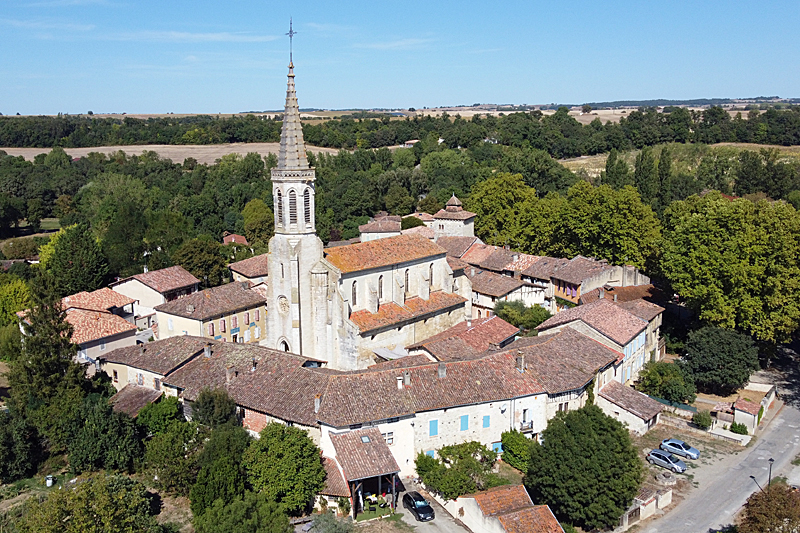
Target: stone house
x=155 y=288
x=453 y=220
x=637 y=411
x=489 y=288
x=253 y=269
x=231 y=313
x=388 y=226
x=466 y=339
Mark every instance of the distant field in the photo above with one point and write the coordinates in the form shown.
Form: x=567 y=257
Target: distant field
x=205 y=153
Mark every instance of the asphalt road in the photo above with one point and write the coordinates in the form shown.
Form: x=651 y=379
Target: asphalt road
x=712 y=506
x=443 y=523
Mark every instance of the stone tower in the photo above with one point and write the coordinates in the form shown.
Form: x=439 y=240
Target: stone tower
x=295 y=249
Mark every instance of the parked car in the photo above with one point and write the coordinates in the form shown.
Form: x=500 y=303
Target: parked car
x=418 y=506
x=667 y=460
x=678 y=447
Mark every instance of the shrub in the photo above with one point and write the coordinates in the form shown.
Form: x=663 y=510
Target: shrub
x=516 y=450
x=702 y=419
x=154 y=418
x=213 y=408
x=739 y=429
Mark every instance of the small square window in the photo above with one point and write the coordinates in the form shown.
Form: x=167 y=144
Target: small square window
x=116 y=377
x=365 y=439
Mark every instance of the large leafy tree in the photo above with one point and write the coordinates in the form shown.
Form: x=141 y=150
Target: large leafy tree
x=586 y=469
x=498 y=203
x=460 y=469
x=666 y=380
x=252 y=513
x=736 y=263
x=203 y=259
x=213 y=407
x=285 y=465
x=645 y=176
x=719 y=360
x=102 y=438
x=77 y=263
x=14 y=296
x=617 y=174
x=776 y=509
x=259 y=222
x=19 y=450
x=173 y=456
x=518 y=314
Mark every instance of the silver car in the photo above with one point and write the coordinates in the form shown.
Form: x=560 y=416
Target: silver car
x=678 y=447
x=667 y=460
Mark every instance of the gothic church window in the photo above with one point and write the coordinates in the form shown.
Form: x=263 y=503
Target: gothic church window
x=292 y=207
x=354 y=298
x=380 y=288
x=279 y=211
x=430 y=276
x=307 y=204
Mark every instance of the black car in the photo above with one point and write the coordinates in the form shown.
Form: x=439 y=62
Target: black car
x=418 y=506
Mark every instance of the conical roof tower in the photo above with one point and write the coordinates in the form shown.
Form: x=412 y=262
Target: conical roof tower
x=292 y=154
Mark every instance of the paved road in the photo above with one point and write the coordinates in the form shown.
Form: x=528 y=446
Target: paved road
x=443 y=523
x=713 y=504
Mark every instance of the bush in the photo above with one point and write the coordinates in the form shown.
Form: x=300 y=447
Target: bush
x=702 y=419
x=461 y=469
x=156 y=417
x=516 y=450
x=739 y=429
x=213 y=408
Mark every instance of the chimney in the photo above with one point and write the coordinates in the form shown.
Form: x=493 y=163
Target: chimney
x=472 y=272
x=317 y=402
x=189 y=308
x=515 y=257
x=400 y=382
x=469 y=321
x=207 y=350
x=253 y=366
x=141 y=349
x=442 y=370
x=230 y=373
x=406 y=378
x=615 y=297
x=520 y=361
x=601 y=293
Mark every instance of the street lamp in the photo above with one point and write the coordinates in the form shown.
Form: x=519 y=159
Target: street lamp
x=769 y=481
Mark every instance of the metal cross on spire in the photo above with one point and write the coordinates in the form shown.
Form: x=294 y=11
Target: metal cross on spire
x=291 y=34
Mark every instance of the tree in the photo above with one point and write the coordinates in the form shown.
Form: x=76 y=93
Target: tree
x=517 y=314
x=202 y=258
x=253 y=513
x=666 y=380
x=645 y=176
x=173 y=456
x=285 y=465
x=101 y=438
x=719 y=360
x=586 y=469
x=398 y=201
x=617 y=173
x=586 y=109
x=14 y=296
x=776 y=509
x=35 y=213
x=411 y=222
x=226 y=441
x=222 y=479
x=77 y=263
x=460 y=469
x=328 y=523
x=213 y=407
x=498 y=203
x=736 y=263
x=516 y=449
x=99 y=504
x=155 y=418
x=19 y=451
x=664 y=178
x=259 y=222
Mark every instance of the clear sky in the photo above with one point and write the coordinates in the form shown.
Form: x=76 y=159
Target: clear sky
x=202 y=56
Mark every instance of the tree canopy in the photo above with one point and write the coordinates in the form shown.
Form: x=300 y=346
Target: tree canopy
x=460 y=469
x=719 y=360
x=775 y=509
x=252 y=513
x=666 y=380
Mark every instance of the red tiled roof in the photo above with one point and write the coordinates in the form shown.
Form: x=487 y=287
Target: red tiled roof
x=232 y=237
x=631 y=400
x=579 y=269
x=536 y=519
x=496 y=285
x=214 y=302
x=391 y=313
x=648 y=293
x=611 y=320
x=88 y=326
x=545 y=267
x=477 y=252
x=252 y=267
x=335 y=484
x=453 y=211
x=166 y=279
x=382 y=253
x=423 y=231
x=465 y=340
x=159 y=357
x=103 y=299
x=456 y=246
x=456 y=264
x=363 y=454
x=644 y=310
x=747 y=406
x=425 y=217
x=133 y=398
x=502 y=499
x=383 y=225
x=402 y=362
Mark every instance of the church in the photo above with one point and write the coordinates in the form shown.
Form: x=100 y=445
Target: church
x=340 y=305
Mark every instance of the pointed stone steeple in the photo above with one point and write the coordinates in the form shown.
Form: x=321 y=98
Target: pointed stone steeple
x=292 y=154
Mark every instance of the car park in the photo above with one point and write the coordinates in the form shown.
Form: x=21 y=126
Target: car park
x=678 y=447
x=666 y=460
x=418 y=506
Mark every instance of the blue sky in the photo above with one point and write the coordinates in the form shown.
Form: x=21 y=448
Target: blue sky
x=187 y=56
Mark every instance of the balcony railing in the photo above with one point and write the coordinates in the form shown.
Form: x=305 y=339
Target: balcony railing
x=526 y=426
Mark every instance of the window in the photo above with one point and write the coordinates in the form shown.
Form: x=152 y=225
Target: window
x=563 y=407
x=139 y=379
x=170 y=326
x=247 y=335
x=430 y=276
x=258 y=314
x=234 y=321
x=257 y=333
x=222 y=325
x=283 y=275
x=103 y=344
x=429 y=453
x=292 y=207
x=408 y=289
x=116 y=376
x=524 y=415
x=497 y=447
x=433 y=428
x=279 y=211
x=156 y=384
x=285 y=346
x=388 y=437
x=211 y=329
x=354 y=295
x=247 y=317
x=307 y=204
x=464 y=422
x=486 y=421
x=233 y=338
x=380 y=288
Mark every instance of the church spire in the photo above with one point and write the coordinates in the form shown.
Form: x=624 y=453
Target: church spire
x=292 y=155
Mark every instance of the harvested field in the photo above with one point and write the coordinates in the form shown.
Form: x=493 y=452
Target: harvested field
x=205 y=153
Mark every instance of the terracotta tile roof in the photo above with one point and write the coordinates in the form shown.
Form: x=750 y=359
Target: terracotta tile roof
x=564 y=361
x=166 y=279
x=747 y=406
x=133 y=398
x=489 y=283
x=523 y=262
x=423 y=231
x=252 y=267
x=644 y=310
x=103 y=299
x=545 y=267
x=502 y=499
x=363 y=454
x=391 y=313
x=536 y=519
x=464 y=340
x=425 y=217
x=477 y=252
x=453 y=211
x=648 y=293
x=456 y=246
x=88 y=326
x=382 y=253
x=348 y=242
x=456 y=264
x=214 y=302
x=498 y=260
x=234 y=238
x=611 y=320
x=631 y=400
x=159 y=357
x=335 y=484
x=402 y=362
x=579 y=269
x=383 y=225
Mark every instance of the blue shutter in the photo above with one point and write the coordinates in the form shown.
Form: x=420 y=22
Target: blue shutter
x=433 y=428
x=464 y=422
x=486 y=421
x=497 y=447
x=429 y=453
